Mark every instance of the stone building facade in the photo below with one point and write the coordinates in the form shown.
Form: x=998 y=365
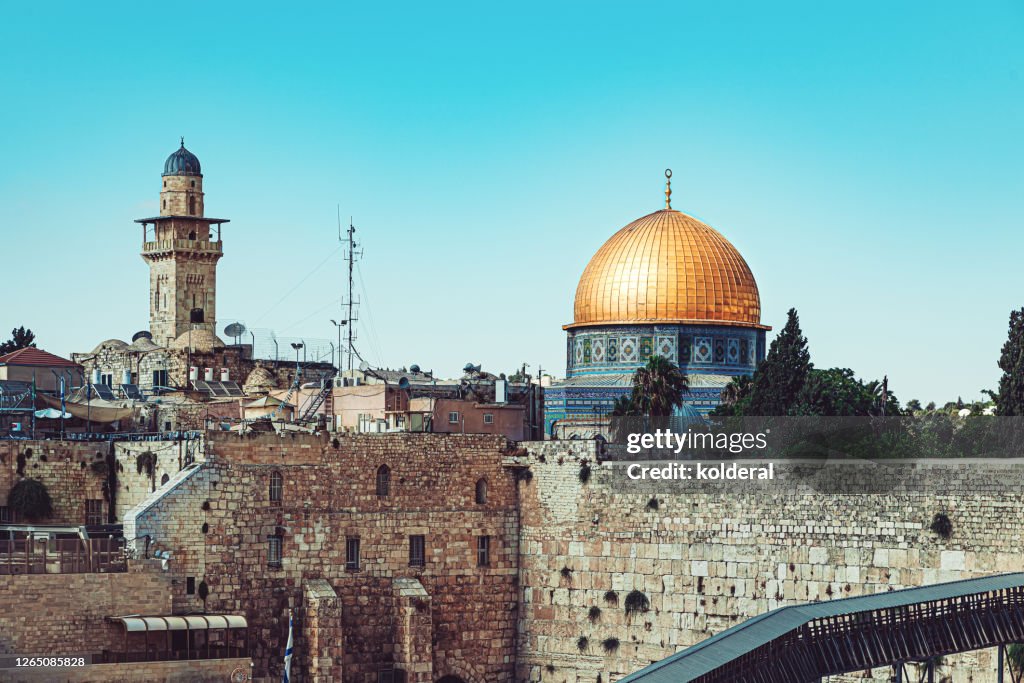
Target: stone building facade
x=401 y=549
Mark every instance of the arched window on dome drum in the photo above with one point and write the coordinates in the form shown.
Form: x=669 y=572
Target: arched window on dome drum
x=481 y=492
x=383 y=481
x=276 y=488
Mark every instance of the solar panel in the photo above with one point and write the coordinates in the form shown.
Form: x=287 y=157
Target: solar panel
x=202 y=386
x=132 y=391
x=218 y=389
x=104 y=392
x=233 y=389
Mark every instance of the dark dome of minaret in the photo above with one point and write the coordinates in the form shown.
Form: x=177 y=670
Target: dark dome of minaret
x=182 y=162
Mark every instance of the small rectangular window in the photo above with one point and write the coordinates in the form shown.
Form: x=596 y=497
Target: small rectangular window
x=352 y=554
x=453 y=418
x=417 y=551
x=274 y=544
x=190 y=585
x=5 y=514
x=483 y=551
x=488 y=418
x=93 y=512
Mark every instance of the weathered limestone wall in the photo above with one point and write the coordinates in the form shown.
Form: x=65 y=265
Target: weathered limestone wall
x=65 y=468
x=329 y=495
x=62 y=614
x=196 y=671
x=708 y=557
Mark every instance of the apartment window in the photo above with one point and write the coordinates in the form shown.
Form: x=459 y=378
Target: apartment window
x=481 y=492
x=160 y=378
x=383 y=481
x=274 y=548
x=93 y=512
x=352 y=554
x=483 y=551
x=190 y=585
x=5 y=514
x=107 y=379
x=488 y=418
x=453 y=418
x=417 y=551
x=276 y=488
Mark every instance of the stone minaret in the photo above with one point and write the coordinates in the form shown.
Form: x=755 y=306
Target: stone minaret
x=182 y=251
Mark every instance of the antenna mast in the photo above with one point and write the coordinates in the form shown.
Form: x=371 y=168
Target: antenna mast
x=351 y=254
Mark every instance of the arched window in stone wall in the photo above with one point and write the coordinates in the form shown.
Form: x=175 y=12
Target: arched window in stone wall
x=192 y=235
x=164 y=479
x=276 y=487
x=191 y=205
x=383 y=481
x=481 y=492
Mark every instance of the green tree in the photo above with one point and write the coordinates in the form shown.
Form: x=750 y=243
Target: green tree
x=658 y=387
x=914 y=406
x=783 y=373
x=30 y=500
x=1010 y=396
x=21 y=338
x=735 y=397
x=836 y=392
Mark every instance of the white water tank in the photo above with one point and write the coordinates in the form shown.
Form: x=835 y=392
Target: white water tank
x=96 y=376
x=126 y=377
x=208 y=374
x=225 y=375
x=193 y=374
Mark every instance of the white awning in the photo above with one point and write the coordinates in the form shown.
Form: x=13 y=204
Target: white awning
x=189 y=622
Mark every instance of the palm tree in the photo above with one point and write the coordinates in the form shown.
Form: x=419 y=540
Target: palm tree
x=658 y=387
x=623 y=407
x=736 y=390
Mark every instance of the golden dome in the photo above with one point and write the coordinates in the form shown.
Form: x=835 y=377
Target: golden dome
x=667 y=267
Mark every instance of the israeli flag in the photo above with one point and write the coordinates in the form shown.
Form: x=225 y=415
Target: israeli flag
x=288 y=652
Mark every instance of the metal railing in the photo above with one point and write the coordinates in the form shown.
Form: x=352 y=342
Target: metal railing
x=35 y=555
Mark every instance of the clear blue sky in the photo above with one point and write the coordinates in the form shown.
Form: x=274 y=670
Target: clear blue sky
x=866 y=158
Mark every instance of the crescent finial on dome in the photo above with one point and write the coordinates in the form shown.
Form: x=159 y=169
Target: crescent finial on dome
x=668 y=189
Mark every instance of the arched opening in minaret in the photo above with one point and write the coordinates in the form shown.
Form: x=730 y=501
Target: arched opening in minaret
x=191 y=205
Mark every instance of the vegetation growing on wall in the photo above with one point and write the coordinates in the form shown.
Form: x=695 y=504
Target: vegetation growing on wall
x=30 y=500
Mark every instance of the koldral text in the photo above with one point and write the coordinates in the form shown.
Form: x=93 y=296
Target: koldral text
x=707 y=471
x=666 y=439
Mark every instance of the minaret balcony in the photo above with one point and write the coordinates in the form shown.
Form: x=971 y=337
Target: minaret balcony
x=181 y=247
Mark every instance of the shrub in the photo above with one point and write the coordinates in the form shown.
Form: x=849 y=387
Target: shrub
x=584 y=472
x=582 y=643
x=611 y=597
x=146 y=461
x=203 y=590
x=653 y=504
x=206 y=505
x=550 y=668
x=99 y=467
x=942 y=525
x=30 y=500
x=594 y=613
x=206 y=528
x=610 y=645
x=637 y=602
x=566 y=573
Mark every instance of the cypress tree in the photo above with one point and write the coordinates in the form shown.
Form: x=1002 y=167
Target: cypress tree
x=782 y=375
x=1010 y=397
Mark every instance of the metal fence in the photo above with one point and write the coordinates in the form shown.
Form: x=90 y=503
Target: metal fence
x=34 y=555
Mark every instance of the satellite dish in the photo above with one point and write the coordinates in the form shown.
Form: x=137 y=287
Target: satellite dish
x=142 y=334
x=403 y=383
x=235 y=330
x=414 y=368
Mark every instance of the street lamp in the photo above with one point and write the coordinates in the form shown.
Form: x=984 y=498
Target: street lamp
x=340 y=325
x=298 y=347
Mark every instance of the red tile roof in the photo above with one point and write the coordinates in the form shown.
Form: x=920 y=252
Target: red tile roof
x=34 y=356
